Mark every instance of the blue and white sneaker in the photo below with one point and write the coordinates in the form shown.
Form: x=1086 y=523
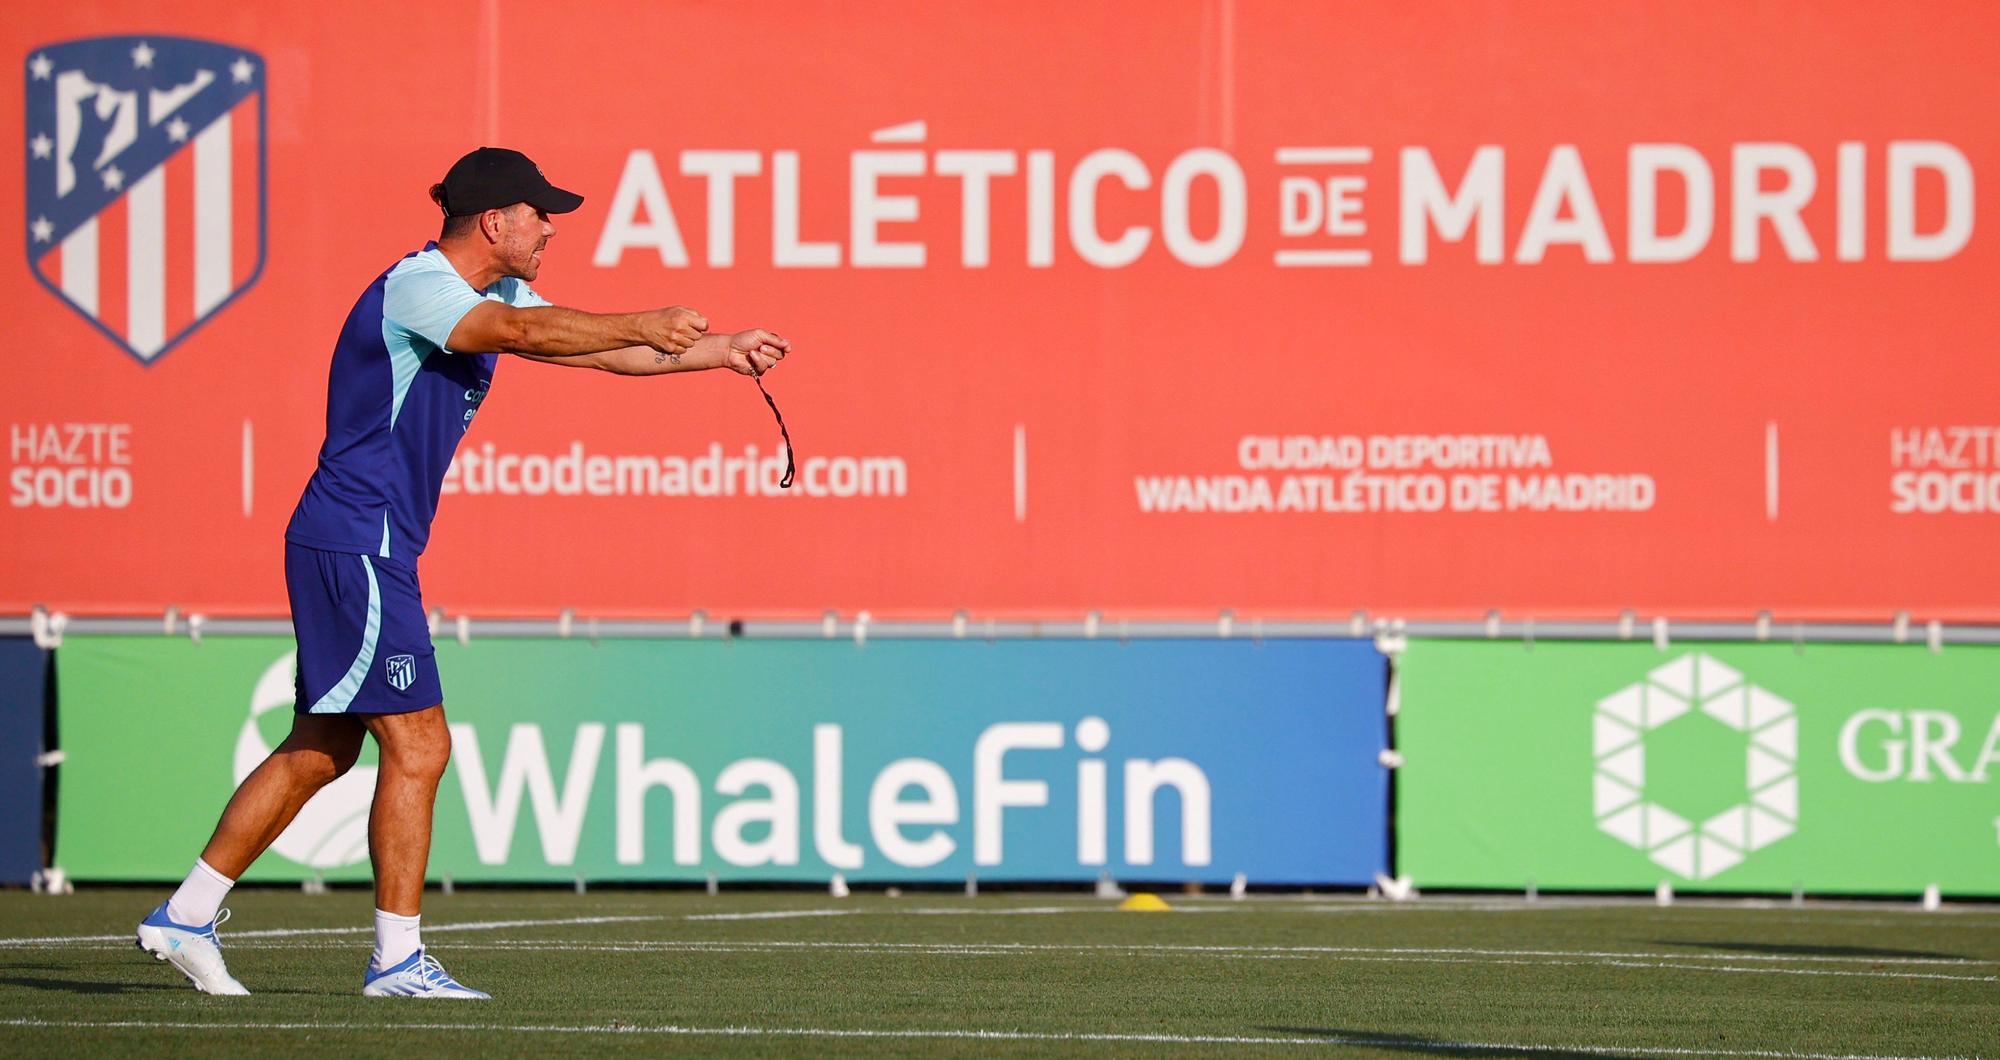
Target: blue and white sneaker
x=195 y=951
x=418 y=975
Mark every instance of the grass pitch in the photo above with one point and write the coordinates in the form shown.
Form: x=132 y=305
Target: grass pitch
x=782 y=973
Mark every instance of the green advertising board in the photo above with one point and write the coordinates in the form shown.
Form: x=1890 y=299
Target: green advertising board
x=764 y=759
x=1862 y=769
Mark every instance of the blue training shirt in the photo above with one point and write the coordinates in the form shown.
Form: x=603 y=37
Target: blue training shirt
x=397 y=402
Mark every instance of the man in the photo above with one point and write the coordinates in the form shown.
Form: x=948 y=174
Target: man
x=411 y=367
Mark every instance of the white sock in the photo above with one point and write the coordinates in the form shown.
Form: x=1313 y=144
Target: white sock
x=395 y=938
x=200 y=896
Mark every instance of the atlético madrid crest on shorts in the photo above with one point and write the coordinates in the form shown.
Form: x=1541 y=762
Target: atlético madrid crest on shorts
x=145 y=182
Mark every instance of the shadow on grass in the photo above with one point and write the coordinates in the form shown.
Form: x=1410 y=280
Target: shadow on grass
x=74 y=986
x=22 y=975
x=1410 y=1043
x=1781 y=949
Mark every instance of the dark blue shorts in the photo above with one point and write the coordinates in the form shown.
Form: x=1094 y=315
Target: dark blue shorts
x=364 y=644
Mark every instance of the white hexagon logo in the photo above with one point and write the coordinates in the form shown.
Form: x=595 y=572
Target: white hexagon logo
x=1695 y=682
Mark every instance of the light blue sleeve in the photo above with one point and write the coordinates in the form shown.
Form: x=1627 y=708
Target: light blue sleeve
x=427 y=301
x=526 y=297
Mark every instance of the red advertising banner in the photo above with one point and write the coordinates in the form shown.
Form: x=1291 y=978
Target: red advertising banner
x=1160 y=308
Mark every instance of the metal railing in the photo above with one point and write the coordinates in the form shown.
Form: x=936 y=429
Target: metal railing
x=49 y=628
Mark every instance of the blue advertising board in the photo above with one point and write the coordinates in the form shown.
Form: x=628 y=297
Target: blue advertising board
x=23 y=689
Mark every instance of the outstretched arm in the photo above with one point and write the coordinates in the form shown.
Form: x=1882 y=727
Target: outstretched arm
x=751 y=352
x=557 y=334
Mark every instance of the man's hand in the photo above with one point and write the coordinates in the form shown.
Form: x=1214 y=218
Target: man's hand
x=755 y=351
x=671 y=331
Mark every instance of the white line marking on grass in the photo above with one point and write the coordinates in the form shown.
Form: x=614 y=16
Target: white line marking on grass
x=1872 y=916
x=1694 y=962
x=965 y=1035
x=773 y=914
x=1185 y=948
x=793 y=914
x=492 y=925
x=1494 y=958
x=1672 y=956
x=1684 y=906
x=1409 y=1043
x=496 y=925
x=274 y=933
x=471 y=925
x=1027 y=910
x=860 y=948
x=1672 y=966
x=1767 y=970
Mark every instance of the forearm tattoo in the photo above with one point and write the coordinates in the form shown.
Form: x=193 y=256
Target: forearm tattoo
x=660 y=356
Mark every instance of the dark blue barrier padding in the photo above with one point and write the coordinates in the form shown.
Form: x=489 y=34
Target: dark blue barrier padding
x=23 y=691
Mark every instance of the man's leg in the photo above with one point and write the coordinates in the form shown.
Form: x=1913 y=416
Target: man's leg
x=320 y=748
x=182 y=930
x=415 y=748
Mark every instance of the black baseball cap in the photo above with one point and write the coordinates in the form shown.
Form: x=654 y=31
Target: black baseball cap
x=494 y=177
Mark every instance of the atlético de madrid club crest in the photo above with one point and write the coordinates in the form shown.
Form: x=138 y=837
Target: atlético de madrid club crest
x=145 y=182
